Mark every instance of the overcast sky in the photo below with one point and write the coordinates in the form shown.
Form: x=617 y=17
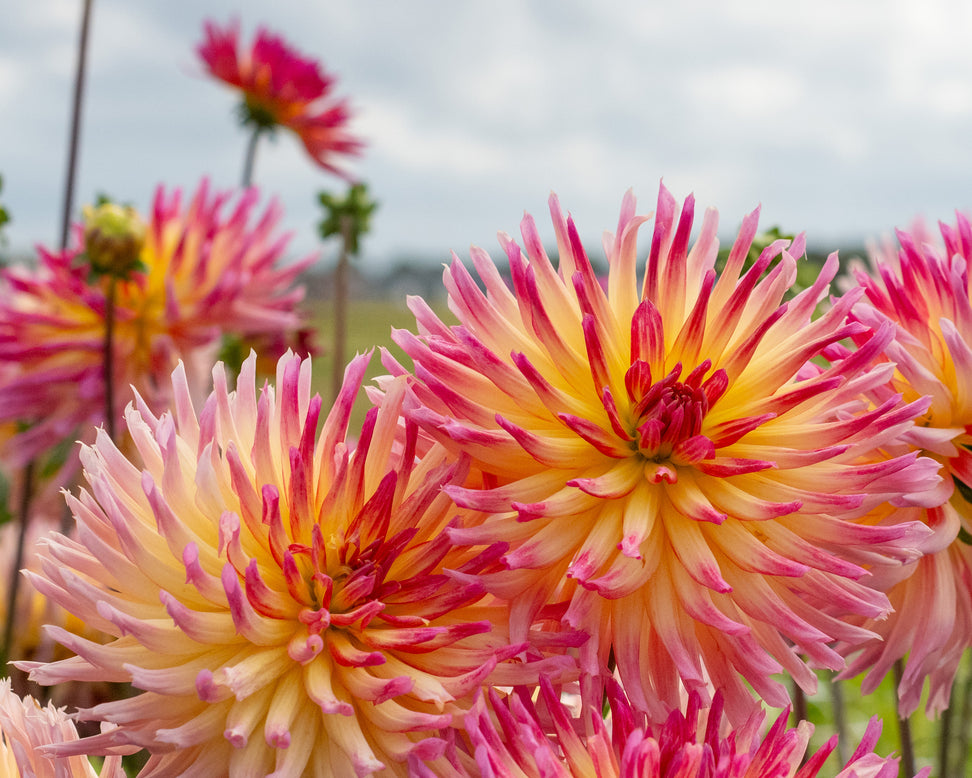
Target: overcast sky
x=843 y=118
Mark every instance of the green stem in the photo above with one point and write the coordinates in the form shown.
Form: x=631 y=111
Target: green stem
x=75 y=133
x=250 y=158
x=341 y=306
x=904 y=725
x=840 y=719
x=109 y=357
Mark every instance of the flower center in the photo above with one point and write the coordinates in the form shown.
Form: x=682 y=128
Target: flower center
x=669 y=414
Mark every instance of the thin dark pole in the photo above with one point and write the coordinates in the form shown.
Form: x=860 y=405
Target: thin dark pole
x=23 y=516
x=109 y=358
x=75 y=135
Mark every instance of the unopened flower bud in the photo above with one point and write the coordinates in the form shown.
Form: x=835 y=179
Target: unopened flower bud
x=113 y=239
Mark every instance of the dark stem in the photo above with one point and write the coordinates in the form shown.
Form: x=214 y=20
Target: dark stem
x=74 y=137
x=799 y=704
x=250 y=158
x=945 y=735
x=341 y=306
x=904 y=725
x=23 y=516
x=109 y=357
x=965 y=715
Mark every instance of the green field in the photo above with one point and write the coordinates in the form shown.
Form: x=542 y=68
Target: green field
x=370 y=323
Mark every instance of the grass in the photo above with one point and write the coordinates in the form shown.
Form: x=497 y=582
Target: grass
x=370 y=323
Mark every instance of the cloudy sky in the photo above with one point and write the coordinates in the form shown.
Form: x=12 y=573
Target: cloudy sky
x=844 y=118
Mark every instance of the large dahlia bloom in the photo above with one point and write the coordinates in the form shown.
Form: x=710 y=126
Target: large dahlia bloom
x=522 y=738
x=923 y=290
x=281 y=602
x=26 y=732
x=210 y=267
x=662 y=456
x=281 y=87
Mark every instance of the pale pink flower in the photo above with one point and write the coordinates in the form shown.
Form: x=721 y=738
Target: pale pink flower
x=281 y=602
x=518 y=737
x=28 y=731
x=281 y=87
x=663 y=458
x=922 y=288
x=211 y=267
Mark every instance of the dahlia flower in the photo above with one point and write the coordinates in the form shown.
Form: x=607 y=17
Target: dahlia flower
x=922 y=290
x=282 y=88
x=663 y=459
x=281 y=602
x=520 y=738
x=208 y=271
x=27 y=730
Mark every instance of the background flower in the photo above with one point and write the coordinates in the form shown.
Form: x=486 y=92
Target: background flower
x=522 y=738
x=27 y=730
x=282 y=602
x=663 y=457
x=921 y=289
x=210 y=268
x=281 y=88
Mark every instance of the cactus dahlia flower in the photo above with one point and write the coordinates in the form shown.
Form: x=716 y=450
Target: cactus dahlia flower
x=206 y=271
x=281 y=88
x=280 y=601
x=661 y=457
x=924 y=290
x=508 y=740
x=27 y=730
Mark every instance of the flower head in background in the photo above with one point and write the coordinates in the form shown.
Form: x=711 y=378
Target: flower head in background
x=27 y=730
x=663 y=457
x=282 y=88
x=281 y=602
x=922 y=289
x=208 y=268
x=522 y=738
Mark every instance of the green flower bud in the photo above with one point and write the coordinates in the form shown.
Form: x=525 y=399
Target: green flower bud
x=113 y=239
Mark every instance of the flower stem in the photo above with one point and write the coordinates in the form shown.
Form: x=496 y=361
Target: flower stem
x=109 y=357
x=904 y=725
x=250 y=158
x=75 y=134
x=23 y=516
x=341 y=306
x=840 y=719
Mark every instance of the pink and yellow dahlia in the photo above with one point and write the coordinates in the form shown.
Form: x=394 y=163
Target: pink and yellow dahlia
x=27 y=731
x=282 y=602
x=663 y=457
x=529 y=736
x=210 y=267
x=923 y=292
x=281 y=88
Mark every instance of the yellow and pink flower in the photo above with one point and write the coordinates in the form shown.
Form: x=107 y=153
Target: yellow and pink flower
x=281 y=87
x=537 y=736
x=282 y=602
x=922 y=291
x=663 y=456
x=28 y=731
x=211 y=267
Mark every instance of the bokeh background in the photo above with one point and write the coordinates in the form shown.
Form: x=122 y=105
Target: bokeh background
x=844 y=118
